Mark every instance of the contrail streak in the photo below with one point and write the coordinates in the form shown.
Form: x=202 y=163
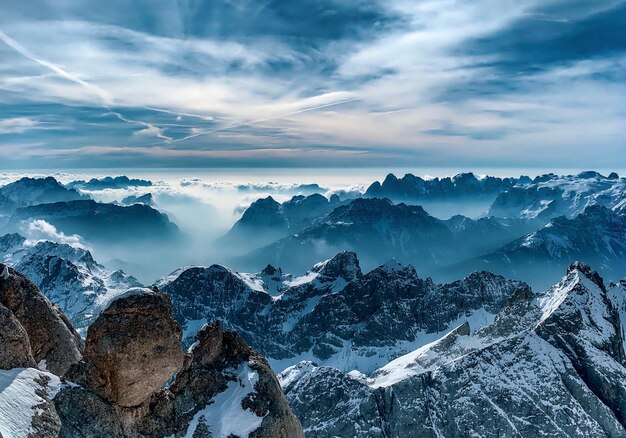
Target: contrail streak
x=280 y=116
x=102 y=94
x=105 y=97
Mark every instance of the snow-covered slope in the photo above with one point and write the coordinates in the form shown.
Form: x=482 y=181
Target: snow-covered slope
x=25 y=396
x=334 y=314
x=548 y=196
x=550 y=365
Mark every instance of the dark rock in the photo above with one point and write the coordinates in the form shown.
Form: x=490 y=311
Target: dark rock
x=14 y=344
x=216 y=359
x=335 y=310
x=101 y=222
x=86 y=415
x=52 y=337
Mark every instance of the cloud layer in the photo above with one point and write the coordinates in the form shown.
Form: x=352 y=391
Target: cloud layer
x=312 y=83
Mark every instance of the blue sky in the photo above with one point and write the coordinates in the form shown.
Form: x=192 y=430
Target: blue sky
x=312 y=83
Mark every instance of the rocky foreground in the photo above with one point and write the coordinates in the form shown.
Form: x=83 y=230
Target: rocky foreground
x=131 y=377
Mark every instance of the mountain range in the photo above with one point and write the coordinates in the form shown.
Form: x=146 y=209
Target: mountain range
x=334 y=314
x=267 y=220
x=551 y=364
x=414 y=325
x=33 y=191
x=414 y=188
x=551 y=195
x=528 y=230
x=100 y=222
x=108 y=182
x=378 y=230
x=597 y=235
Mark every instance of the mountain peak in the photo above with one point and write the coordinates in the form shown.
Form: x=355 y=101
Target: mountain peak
x=390 y=178
x=270 y=271
x=586 y=270
x=343 y=265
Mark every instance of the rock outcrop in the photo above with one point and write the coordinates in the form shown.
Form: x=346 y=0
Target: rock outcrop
x=221 y=388
x=14 y=344
x=222 y=365
x=133 y=348
x=54 y=343
x=134 y=379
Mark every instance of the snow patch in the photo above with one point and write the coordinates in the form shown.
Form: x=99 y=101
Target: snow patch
x=225 y=416
x=19 y=399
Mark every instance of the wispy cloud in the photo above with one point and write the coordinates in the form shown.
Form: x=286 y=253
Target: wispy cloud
x=411 y=81
x=17 y=125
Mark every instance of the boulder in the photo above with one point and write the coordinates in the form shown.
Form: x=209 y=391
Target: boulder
x=133 y=348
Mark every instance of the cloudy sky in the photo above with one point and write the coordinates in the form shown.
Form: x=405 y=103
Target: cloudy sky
x=312 y=83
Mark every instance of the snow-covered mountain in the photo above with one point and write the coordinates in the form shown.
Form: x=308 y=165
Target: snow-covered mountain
x=550 y=195
x=597 y=236
x=551 y=364
x=68 y=276
x=334 y=314
x=101 y=222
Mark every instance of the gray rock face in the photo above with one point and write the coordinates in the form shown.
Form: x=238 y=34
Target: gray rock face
x=133 y=348
x=86 y=415
x=551 y=364
x=14 y=344
x=53 y=340
x=334 y=313
x=222 y=363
